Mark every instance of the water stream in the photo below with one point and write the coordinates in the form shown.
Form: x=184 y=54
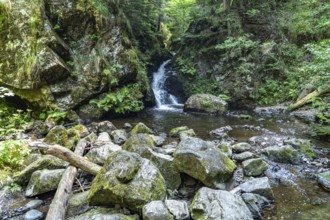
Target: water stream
x=164 y=99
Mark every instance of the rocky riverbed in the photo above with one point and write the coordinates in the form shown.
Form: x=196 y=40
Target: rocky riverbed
x=178 y=172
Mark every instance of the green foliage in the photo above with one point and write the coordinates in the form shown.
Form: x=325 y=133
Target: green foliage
x=121 y=101
x=12 y=153
x=57 y=116
x=13 y=187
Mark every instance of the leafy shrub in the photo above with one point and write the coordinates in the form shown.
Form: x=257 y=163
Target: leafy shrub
x=12 y=153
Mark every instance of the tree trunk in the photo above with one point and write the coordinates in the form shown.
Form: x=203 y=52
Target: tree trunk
x=307 y=98
x=59 y=204
x=67 y=155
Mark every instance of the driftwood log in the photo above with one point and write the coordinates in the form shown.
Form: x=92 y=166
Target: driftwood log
x=67 y=155
x=58 y=206
x=307 y=98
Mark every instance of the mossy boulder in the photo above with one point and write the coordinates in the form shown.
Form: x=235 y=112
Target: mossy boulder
x=58 y=135
x=141 y=128
x=254 y=167
x=283 y=154
x=139 y=143
x=127 y=180
x=218 y=205
x=119 y=136
x=205 y=103
x=80 y=129
x=187 y=133
x=78 y=204
x=305 y=146
x=45 y=162
x=105 y=126
x=203 y=161
x=241 y=147
x=43 y=181
x=176 y=131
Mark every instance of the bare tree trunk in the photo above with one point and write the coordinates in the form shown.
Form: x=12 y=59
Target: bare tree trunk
x=307 y=98
x=67 y=155
x=58 y=206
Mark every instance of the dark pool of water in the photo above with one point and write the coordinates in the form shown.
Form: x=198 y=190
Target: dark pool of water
x=303 y=199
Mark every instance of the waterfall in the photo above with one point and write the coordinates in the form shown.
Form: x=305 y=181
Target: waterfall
x=164 y=100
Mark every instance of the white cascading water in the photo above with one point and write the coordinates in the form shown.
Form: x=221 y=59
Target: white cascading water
x=164 y=100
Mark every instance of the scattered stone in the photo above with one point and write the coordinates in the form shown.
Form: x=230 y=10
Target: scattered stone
x=104 y=214
x=258 y=186
x=128 y=126
x=254 y=167
x=58 y=135
x=324 y=180
x=45 y=162
x=205 y=103
x=31 y=158
x=77 y=204
x=221 y=133
x=218 y=204
x=36 y=127
x=33 y=215
x=176 y=131
x=119 y=136
x=305 y=146
x=203 y=161
x=105 y=126
x=244 y=156
x=271 y=109
x=43 y=181
x=167 y=168
x=81 y=130
x=33 y=204
x=140 y=143
x=141 y=128
x=159 y=141
x=91 y=138
x=156 y=210
x=127 y=180
x=241 y=147
x=256 y=204
x=283 y=154
x=224 y=148
x=179 y=209
x=99 y=155
x=102 y=139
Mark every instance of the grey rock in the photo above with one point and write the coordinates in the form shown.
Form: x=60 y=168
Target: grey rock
x=205 y=103
x=179 y=209
x=127 y=180
x=176 y=131
x=159 y=141
x=225 y=149
x=140 y=143
x=156 y=210
x=254 y=167
x=99 y=155
x=33 y=204
x=283 y=154
x=91 y=138
x=203 y=161
x=187 y=133
x=211 y=204
x=258 y=186
x=77 y=204
x=102 y=139
x=244 y=156
x=33 y=215
x=241 y=147
x=255 y=203
x=43 y=181
x=324 y=180
x=119 y=136
x=104 y=214
x=105 y=126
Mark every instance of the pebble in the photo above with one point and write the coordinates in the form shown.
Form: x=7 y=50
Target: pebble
x=33 y=215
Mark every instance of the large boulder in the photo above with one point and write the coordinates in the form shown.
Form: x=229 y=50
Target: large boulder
x=58 y=135
x=203 y=161
x=156 y=210
x=283 y=154
x=205 y=103
x=211 y=204
x=140 y=143
x=141 y=128
x=127 y=180
x=99 y=155
x=258 y=186
x=43 y=181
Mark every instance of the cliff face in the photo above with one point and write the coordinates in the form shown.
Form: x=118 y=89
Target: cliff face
x=62 y=54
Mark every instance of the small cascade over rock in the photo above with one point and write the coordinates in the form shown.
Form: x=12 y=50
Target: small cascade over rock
x=164 y=99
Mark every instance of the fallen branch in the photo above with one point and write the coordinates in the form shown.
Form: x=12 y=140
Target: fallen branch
x=67 y=155
x=307 y=98
x=58 y=206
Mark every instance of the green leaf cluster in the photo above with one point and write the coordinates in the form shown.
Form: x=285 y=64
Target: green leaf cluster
x=12 y=153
